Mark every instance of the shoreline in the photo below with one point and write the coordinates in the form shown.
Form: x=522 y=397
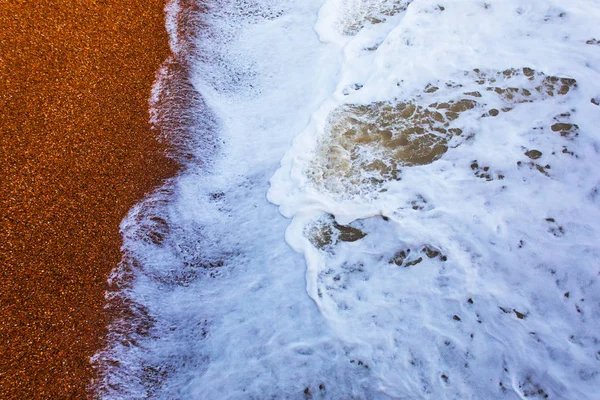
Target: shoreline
x=78 y=152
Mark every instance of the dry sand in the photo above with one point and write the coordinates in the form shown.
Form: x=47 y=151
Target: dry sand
x=77 y=152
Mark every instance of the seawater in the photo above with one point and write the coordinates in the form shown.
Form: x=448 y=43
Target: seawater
x=379 y=199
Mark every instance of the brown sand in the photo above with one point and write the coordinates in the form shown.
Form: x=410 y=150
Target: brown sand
x=76 y=153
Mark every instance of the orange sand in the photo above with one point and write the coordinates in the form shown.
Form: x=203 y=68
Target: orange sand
x=76 y=153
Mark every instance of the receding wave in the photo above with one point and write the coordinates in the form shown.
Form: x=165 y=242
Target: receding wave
x=436 y=236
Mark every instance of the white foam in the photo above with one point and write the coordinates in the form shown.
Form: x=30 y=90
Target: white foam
x=402 y=319
x=232 y=300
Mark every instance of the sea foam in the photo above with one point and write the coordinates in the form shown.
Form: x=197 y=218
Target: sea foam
x=434 y=168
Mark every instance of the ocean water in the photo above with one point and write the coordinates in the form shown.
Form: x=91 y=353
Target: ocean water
x=380 y=199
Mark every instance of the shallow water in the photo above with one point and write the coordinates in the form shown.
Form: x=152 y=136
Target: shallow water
x=436 y=236
x=366 y=145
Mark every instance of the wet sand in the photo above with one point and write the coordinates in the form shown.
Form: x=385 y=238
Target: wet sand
x=77 y=152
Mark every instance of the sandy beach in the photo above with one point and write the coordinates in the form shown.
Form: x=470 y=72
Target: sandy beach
x=77 y=152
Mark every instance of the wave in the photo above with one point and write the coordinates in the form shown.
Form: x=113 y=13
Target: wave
x=436 y=233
